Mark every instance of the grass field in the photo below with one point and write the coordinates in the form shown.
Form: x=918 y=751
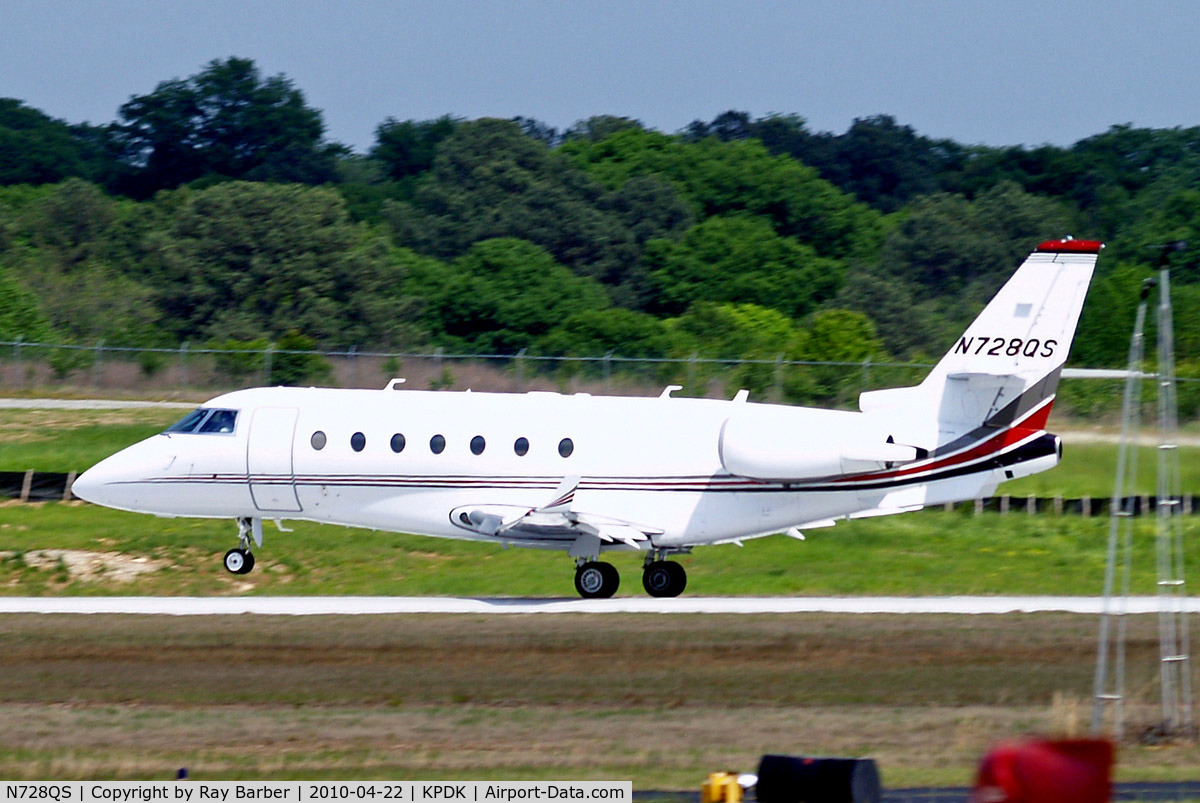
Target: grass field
x=916 y=553
x=659 y=700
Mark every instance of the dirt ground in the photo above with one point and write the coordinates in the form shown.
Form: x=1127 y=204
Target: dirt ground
x=661 y=700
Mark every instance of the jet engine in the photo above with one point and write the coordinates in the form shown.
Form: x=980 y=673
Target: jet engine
x=784 y=444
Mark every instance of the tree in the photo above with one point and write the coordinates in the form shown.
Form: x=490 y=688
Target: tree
x=724 y=178
x=226 y=120
x=505 y=294
x=20 y=318
x=740 y=260
x=489 y=180
x=408 y=148
x=243 y=259
x=38 y=149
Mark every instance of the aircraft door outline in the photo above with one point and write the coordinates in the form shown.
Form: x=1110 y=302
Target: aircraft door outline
x=269 y=466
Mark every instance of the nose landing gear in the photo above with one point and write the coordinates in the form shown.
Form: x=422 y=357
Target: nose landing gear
x=240 y=560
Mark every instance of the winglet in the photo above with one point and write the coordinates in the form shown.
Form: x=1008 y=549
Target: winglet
x=564 y=496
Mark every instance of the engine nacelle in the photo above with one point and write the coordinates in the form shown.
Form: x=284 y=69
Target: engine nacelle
x=798 y=444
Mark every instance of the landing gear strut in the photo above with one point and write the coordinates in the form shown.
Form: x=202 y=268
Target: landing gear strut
x=240 y=560
x=663 y=578
x=596 y=579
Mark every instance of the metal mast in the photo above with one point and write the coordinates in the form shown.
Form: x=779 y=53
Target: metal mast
x=1109 y=685
x=1172 y=592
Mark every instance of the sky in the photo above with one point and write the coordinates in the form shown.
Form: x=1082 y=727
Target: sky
x=1003 y=72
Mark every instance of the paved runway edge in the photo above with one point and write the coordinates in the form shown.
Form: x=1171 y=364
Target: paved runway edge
x=314 y=606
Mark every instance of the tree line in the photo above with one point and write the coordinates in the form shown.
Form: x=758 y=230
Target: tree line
x=214 y=210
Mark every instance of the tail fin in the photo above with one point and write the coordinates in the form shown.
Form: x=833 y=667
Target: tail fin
x=1005 y=368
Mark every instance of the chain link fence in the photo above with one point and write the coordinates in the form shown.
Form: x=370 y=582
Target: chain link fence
x=190 y=370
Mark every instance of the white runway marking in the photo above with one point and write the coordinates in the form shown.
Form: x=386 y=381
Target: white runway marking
x=301 y=606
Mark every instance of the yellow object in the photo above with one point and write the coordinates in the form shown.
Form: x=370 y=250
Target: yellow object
x=721 y=787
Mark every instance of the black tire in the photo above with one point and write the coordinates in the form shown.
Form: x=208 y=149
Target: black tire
x=597 y=580
x=664 y=578
x=236 y=561
x=249 y=563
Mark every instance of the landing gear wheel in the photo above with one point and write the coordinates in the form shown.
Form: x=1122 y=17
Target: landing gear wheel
x=597 y=580
x=664 y=578
x=239 y=561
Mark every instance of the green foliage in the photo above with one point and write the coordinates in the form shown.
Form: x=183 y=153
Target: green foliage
x=228 y=120
x=38 y=149
x=596 y=332
x=20 y=318
x=291 y=368
x=740 y=260
x=239 y=358
x=504 y=294
x=247 y=259
x=720 y=178
x=408 y=148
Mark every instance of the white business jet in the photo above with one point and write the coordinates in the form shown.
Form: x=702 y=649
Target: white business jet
x=588 y=474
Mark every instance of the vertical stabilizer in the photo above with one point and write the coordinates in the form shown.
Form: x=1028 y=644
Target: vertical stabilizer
x=1004 y=370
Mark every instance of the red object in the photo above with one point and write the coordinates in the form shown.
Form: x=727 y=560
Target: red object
x=1037 y=771
x=1071 y=246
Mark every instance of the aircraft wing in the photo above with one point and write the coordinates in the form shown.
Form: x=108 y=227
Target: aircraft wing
x=556 y=521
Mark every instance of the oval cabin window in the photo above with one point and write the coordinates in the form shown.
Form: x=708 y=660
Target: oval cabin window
x=358 y=441
x=318 y=440
x=521 y=447
x=478 y=444
x=437 y=444
x=565 y=447
x=397 y=443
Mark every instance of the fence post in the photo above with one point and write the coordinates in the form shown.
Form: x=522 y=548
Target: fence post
x=183 y=347
x=26 y=485
x=1031 y=504
x=777 y=388
x=352 y=355
x=608 y=372
x=67 y=487
x=98 y=364
x=20 y=366
x=269 y=362
x=1058 y=505
x=519 y=365
x=1003 y=504
x=866 y=374
x=978 y=506
x=1085 y=506
x=691 y=372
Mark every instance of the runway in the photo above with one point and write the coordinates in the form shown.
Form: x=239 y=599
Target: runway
x=326 y=606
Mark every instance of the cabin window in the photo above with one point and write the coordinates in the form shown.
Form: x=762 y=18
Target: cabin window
x=565 y=447
x=521 y=447
x=358 y=441
x=478 y=444
x=318 y=440
x=437 y=444
x=398 y=443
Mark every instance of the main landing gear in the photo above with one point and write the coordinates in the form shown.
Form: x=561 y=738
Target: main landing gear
x=240 y=560
x=661 y=578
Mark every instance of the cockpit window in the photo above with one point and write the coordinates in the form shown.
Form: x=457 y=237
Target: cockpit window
x=220 y=421
x=206 y=421
x=189 y=422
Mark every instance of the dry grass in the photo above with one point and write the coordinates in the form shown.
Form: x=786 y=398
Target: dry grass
x=659 y=699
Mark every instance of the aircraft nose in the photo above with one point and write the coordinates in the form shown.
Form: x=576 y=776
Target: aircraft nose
x=91 y=485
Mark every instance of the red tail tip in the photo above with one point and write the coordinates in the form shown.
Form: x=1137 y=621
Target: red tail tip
x=1071 y=246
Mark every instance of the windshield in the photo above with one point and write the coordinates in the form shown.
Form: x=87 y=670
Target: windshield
x=206 y=421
